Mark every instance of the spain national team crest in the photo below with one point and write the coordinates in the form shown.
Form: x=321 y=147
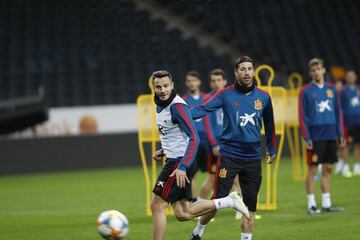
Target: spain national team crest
x=223 y=173
x=258 y=104
x=315 y=158
x=330 y=93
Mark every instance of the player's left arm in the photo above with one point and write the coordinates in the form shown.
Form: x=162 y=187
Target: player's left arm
x=182 y=116
x=269 y=124
x=339 y=119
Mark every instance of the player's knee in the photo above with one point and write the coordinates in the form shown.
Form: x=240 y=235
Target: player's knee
x=246 y=224
x=312 y=170
x=181 y=216
x=327 y=169
x=156 y=206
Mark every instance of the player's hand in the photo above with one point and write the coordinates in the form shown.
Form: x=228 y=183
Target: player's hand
x=309 y=145
x=270 y=159
x=158 y=155
x=216 y=151
x=342 y=142
x=181 y=178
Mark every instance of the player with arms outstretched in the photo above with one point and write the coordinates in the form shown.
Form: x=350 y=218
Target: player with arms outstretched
x=245 y=108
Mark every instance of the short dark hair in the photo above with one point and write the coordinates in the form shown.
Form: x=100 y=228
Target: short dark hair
x=218 y=72
x=193 y=74
x=160 y=74
x=243 y=59
x=316 y=61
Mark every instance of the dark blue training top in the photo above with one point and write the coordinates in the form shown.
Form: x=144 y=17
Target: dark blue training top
x=203 y=125
x=320 y=114
x=243 y=117
x=350 y=104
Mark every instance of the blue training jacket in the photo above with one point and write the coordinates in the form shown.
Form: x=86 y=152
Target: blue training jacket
x=243 y=117
x=320 y=114
x=350 y=104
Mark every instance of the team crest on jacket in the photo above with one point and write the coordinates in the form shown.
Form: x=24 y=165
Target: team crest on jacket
x=329 y=93
x=258 y=104
x=223 y=173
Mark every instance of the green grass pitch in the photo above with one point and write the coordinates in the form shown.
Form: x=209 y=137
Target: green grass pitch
x=65 y=206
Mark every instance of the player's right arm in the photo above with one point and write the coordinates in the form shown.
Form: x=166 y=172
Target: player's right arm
x=304 y=118
x=214 y=102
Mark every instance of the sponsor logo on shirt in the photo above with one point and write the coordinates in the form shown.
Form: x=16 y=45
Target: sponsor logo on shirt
x=355 y=101
x=246 y=118
x=324 y=106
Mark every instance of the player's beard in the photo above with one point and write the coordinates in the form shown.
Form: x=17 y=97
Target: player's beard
x=245 y=89
x=165 y=103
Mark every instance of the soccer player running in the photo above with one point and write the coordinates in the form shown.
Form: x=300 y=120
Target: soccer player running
x=179 y=140
x=350 y=103
x=194 y=98
x=245 y=108
x=320 y=120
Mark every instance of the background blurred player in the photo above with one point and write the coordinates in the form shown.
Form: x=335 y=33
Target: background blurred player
x=342 y=165
x=214 y=128
x=194 y=98
x=217 y=82
x=245 y=107
x=320 y=123
x=179 y=140
x=350 y=103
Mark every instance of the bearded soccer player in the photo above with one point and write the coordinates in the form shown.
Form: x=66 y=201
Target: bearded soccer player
x=321 y=125
x=350 y=102
x=179 y=140
x=194 y=98
x=245 y=108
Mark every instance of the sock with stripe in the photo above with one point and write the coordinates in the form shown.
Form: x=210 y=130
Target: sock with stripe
x=225 y=202
x=246 y=236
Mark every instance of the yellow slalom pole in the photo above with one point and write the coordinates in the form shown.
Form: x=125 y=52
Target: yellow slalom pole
x=145 y=165
x=291 y=147
x=269 y=69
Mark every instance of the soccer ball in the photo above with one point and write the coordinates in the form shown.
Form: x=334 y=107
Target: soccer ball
x=112 y=225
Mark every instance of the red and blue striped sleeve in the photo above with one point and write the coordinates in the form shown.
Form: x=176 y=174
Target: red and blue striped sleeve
x=213 y=103
x=303 y=118
x=269 y=124
x=207 y=126
x=209 y=131
x=182 y=116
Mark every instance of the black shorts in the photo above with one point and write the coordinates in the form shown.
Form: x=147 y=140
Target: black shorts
x=201 y=157
x=166 y=187
x=211 y=163
x=354 y=134
x=249 y=176
x=322 y=152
